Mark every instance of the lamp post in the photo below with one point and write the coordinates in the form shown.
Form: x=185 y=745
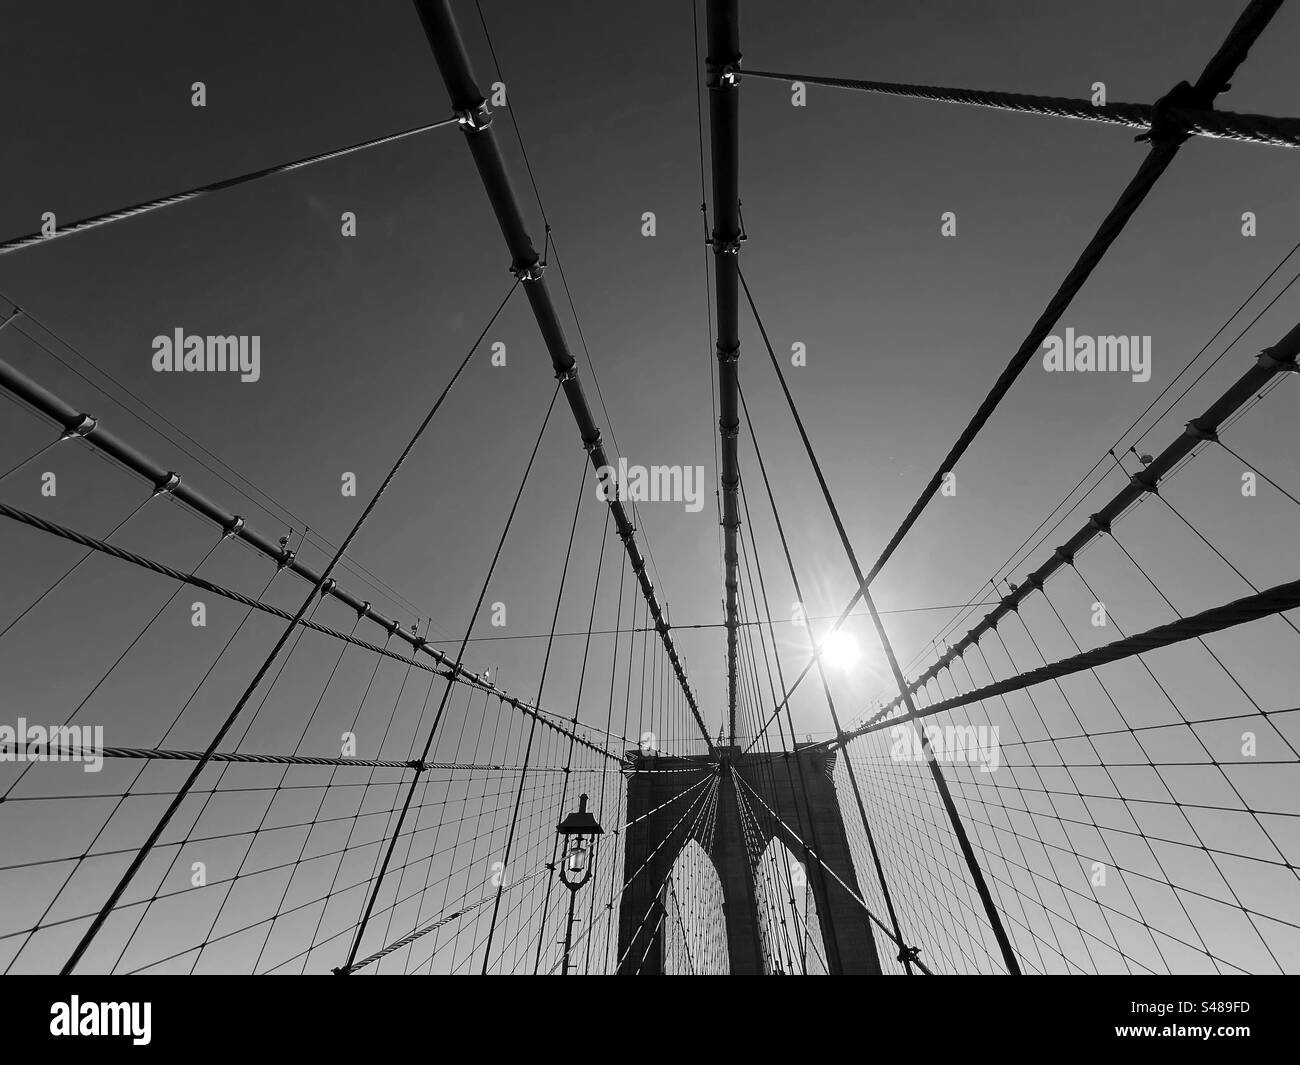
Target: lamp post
x=579 y=830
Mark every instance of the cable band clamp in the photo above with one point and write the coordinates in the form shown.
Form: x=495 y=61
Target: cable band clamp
x=724 y=75
x=1269 y=361
x=1138 y=481
x=474 y=119
x=532 y=272
x=172 y=482
x=82 y=428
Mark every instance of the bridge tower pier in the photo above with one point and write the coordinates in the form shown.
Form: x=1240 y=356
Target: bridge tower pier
x=662 y=824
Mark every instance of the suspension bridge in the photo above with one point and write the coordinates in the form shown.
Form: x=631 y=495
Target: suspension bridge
x=229 y=745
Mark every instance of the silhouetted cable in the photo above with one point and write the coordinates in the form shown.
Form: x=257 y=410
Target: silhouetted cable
x=1240 y=611
x=73 y=752
x=1010 y=560
x=1164 y=146
x=90 y=429
x=122 y=213
x=849 y=891
x=444 y=669
x=433 y=728
x=831 y=944
x=577 y=706
x=272 y=507
x=273 y=655
x=433 y=926
x=528 y=750
x=1280 y=358
x=905 y=954
x=475 y=119
x=940 y=782
x=722 y=78
x=1257 y=129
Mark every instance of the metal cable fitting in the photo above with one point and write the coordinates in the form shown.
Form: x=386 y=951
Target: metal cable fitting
x=234 y=528
x=172 y=482
x=722 y=75
x=1137 y=480
x=726 y=247
x=1269 y=361
x=1168 y=126
x=82 y=428
x=474 y=119
x=532 y=272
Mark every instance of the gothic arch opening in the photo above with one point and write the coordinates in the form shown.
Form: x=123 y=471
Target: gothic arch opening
x=695 y=930
x=787 y=914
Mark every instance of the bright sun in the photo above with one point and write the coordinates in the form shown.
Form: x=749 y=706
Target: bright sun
x=840 y=650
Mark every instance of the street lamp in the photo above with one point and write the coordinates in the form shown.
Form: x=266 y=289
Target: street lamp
x=579 y=830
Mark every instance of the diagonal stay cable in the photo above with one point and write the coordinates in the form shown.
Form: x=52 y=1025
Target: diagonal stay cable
x=468 y=102
x=1200 y=122
x=1278 y=359
x=905 y=955
x=122 y=213
x=940 y=782
x=274 y=654
x=1164 y=146
x=433 y=728
x=528 y=750
x=442 y=665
